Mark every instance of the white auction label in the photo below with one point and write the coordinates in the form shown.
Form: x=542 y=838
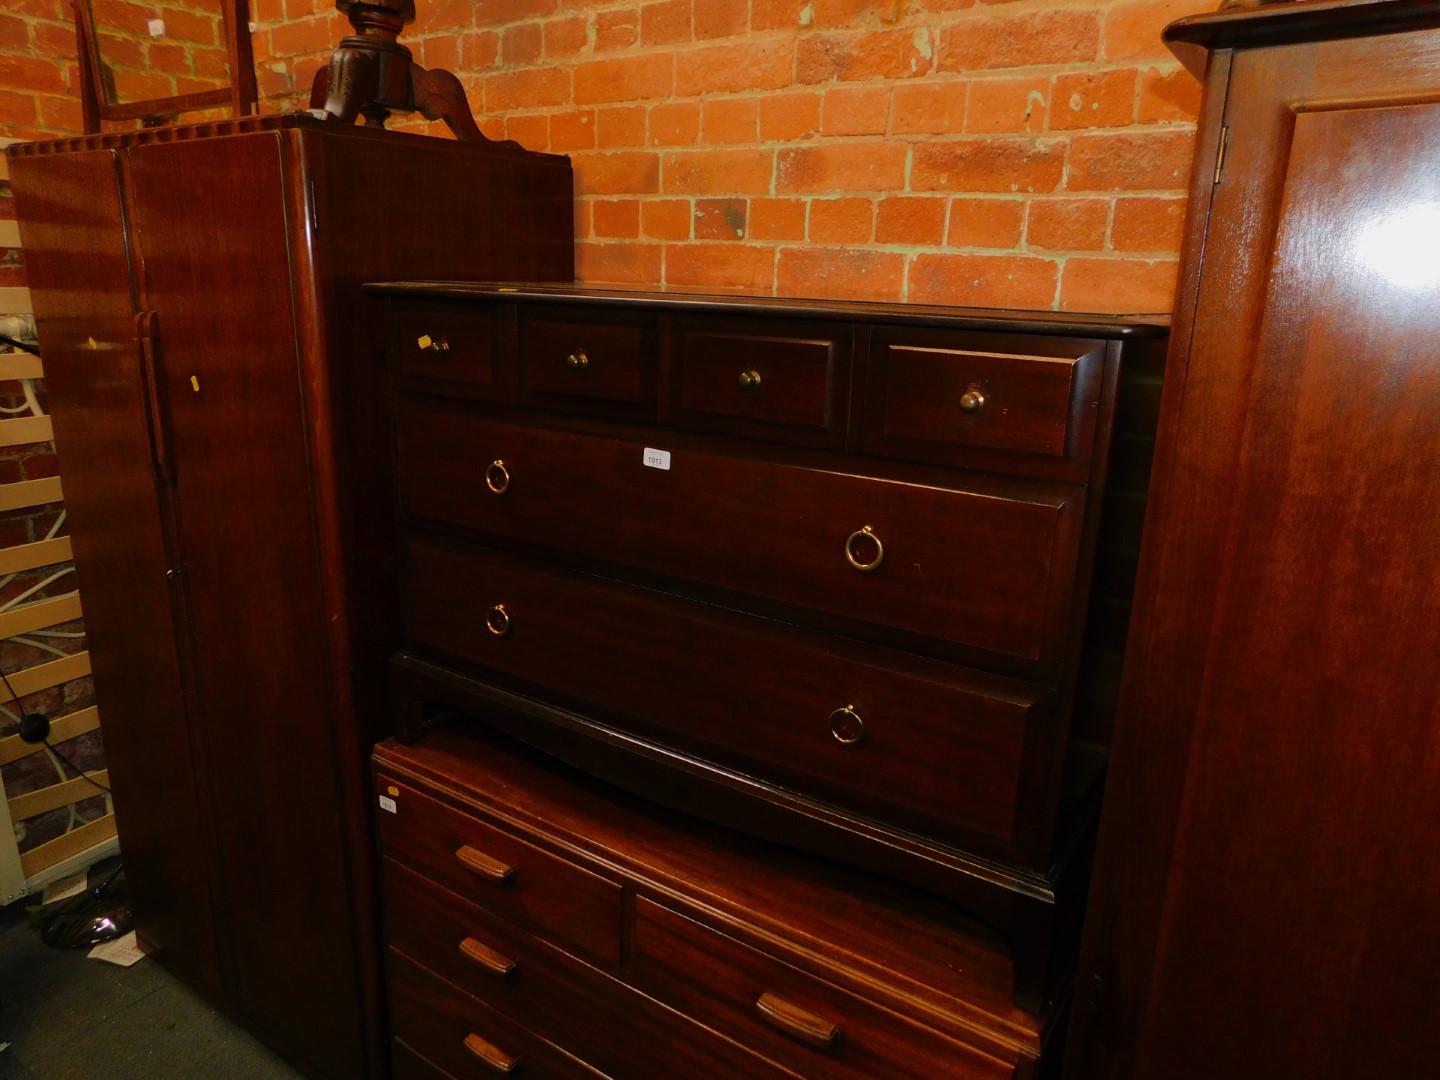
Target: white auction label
x=387 y=803
x=657 y=459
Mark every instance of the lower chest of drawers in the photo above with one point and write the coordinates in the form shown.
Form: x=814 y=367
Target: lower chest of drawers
x=617 y=939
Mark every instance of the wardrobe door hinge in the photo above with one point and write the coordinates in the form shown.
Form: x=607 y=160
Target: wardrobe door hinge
x=1221 y=152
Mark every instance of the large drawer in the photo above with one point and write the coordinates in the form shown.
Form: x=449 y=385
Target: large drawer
x=491 y=867
x=906 y=739
x=988 y=567
x=798 y=1020
x=589 y=1013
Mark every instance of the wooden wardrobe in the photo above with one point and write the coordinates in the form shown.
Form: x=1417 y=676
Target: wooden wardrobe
x=1265 y=901
x=210 y=366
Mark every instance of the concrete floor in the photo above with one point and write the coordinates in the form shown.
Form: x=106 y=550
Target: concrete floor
x=67 y=1017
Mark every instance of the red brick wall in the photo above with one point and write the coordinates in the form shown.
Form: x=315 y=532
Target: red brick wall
x=1028 y=154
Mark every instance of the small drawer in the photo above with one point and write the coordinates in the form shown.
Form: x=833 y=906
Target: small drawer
x=463 y=347
x=783 y=382
x=936 y=746
x=465 y=1037
x=588 y=361
x=503 y=873
x=406 y=1064
x=788 y=1015
x=608 y=1024
x=984 y=401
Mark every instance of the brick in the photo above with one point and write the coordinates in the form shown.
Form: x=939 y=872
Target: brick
x=931 y=108
x=311 y=35
x=665 y=23
x=986 y=223
x=479 y=50
x=1168 y=96
x=196 y=28
x=721 y=18
x=782 y=15
x=1130 y=162
x=665 y=219
x=620 y=126
x=535 y=88
x=1028 y=40
x=732 y=69
x=747 y=268
x=1002 y=281
x=615 y=218
x=840 y=273
x=521 y=45
x=618 y=263
x=1118 y=286
x=789 y=117
x=1067 y=224
x=616 y=30
x=998 y=165
x=913 y=220
x=29 y=74
x=495 y=12
x=729 y=120
x=441 y=52
x=1094 y=99
x=14 y=34
x=717 y=172
x=856 y=110
x=572 y=131
x=122 y=52
x=1146 y=224
x=532 y=131
x=777 y=219
x=674 y=124
x=720 y=219
x=584 y=219
x=854 y=57
x=564 y=38
x=1132 y=31
x=632 y=78
x=623 y=172
x=841 y=221
x=835 y=13
x=1008 y=105
x=840 y=167
x=161 y=56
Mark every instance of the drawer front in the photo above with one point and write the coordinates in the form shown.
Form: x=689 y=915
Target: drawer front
x=462 y=347
x=586 y=361
x=505 y=874
x=985 y=570
x=789 y=1015
x=465 y=1037
x=879 y=731
x=407 y=1064
x=785 y=382
x=986 y=403
x=595 y=1017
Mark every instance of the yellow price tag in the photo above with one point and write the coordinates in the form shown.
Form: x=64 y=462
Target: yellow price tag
x=423 y=341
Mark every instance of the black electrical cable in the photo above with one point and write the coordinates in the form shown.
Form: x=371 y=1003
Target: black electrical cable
x=23 y=346
x=35 y=728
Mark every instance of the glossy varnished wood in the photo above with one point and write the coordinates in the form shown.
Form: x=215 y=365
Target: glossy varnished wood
x=1263 y=904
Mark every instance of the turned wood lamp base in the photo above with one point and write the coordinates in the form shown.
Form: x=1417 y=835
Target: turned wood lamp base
x=371 y=75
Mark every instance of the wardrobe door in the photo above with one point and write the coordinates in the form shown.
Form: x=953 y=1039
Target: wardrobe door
x=77 y=262
x=1267 y=882
x=215 y=242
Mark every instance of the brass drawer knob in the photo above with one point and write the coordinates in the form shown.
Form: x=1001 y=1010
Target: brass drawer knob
x=855 y=545
x=972 y=401
x=497 y=477
x=847 y=727
x=750 y=380
x=795 y=1021
x=490 y=1055
x=433 y=344
x=578 y=360
x=497 y=620
x=487 y=866
x=487 y=958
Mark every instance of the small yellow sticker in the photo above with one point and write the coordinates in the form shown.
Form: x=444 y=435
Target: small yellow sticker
x=195 y=383
x=392 y=790
x=423 y=341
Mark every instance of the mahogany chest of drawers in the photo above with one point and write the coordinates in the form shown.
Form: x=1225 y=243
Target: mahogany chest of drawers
x=845 y=579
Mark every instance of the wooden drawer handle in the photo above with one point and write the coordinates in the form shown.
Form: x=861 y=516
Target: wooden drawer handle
x=805 y=1026
x=483 y=864
x=488 y=958
x=491 y=1055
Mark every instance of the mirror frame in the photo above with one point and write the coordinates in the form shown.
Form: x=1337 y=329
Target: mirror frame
x=241 y=95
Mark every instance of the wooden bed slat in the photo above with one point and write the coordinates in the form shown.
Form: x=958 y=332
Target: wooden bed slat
x=62 y=730
x=32 y=556
x=30 y=493
x=23 y=619
x=61 y=848
x=77 y=789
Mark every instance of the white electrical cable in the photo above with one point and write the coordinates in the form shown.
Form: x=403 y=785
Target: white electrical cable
x=31 y=400
x=36 y=588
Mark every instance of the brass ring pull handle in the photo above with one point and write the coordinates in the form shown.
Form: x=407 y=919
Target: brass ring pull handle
x=867 y=533
x=497 y=620
x=972 y=401
x=578 y=360
x=750 y=380
x=497 y=477
x=805 y=1026
x=847 y=727
x=490 y=1055
x=488 y=958
x=487 y=867
x=435 y=344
